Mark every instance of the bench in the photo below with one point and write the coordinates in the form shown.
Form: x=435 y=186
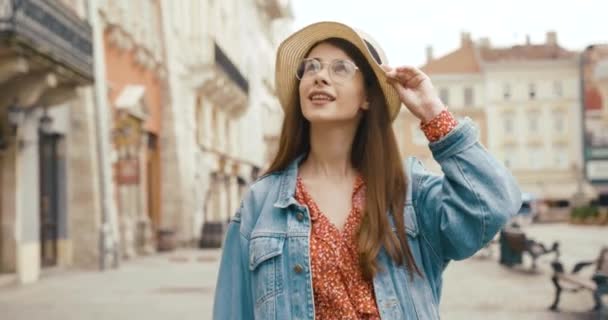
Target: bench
x=514 y=243
x=575 y=282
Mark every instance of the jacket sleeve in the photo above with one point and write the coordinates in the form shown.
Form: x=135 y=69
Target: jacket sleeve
x=462 y=210
x=233 y=289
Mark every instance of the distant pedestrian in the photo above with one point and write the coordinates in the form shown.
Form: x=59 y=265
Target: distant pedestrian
x=339 y=227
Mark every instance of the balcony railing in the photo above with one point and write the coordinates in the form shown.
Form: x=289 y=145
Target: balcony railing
x=222 y=60
x=50 y=29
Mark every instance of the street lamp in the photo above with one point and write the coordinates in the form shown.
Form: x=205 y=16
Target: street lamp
x=16 y=115
x=46 y=123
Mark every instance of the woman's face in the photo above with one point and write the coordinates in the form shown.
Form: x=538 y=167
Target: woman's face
x=326 y=97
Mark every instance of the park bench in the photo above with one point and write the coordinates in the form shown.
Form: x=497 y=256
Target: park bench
x=597 y=283
x=514 y=243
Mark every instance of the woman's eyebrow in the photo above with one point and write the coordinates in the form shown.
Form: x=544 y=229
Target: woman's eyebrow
x=331 y=60
x=316 y=58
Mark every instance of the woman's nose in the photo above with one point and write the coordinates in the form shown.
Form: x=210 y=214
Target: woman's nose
x=322 y=77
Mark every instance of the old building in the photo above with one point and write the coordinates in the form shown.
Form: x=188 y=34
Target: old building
x=459 y=80
x=594 y=71
x=525 y=99
x=220 y=58
x=49 y=187
x=135 y=80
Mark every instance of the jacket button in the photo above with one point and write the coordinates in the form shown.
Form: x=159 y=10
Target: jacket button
x=299 y=216
x=298 y=268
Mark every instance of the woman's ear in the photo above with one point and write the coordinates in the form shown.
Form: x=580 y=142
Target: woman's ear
x=365 y=105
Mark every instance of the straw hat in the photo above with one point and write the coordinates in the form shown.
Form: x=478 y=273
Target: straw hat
x=293 y=49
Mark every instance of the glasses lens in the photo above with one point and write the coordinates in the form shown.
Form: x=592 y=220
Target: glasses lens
x=343 y=69
x=308 y=67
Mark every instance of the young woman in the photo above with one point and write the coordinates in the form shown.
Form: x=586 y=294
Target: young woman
x=339 y=227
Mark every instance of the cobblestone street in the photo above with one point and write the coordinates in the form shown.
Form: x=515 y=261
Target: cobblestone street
x=180 y=285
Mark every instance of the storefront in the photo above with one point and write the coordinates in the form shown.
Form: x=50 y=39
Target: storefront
x=45 y=59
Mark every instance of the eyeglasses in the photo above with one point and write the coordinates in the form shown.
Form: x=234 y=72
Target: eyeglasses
x=339 y=70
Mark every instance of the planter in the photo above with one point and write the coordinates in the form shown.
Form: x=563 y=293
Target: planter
x=166 y=240
x=602 y=217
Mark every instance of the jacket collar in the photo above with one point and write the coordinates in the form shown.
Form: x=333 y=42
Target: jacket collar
x=288 y=178
x=287 y=184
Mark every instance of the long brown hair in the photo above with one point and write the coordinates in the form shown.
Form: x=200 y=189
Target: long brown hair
x=376 y=156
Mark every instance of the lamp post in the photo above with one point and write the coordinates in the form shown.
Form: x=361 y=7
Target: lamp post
x=46 y=123
x=578 y=198
x=17 y=115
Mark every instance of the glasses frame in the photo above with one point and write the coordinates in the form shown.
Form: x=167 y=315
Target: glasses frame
x=330 y=70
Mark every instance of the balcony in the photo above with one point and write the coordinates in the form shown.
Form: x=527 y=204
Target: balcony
x=534 y=140
x=215 y=76
x=48 y=30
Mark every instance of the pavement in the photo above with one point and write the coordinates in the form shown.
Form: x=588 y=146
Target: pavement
x=480 y=288
x=180 y=285
x=172 y=286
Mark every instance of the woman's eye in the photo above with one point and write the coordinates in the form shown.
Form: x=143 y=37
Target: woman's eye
x=311 y=66
x=340 y=67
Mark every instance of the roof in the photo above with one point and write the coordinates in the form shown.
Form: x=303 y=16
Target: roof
x=525 y=52
x=470 y=57
x=131 y=99
x=462 y=60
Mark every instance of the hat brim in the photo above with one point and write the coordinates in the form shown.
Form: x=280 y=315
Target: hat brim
x=293 y=49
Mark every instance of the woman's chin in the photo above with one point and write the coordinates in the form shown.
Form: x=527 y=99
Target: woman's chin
x=326 y=114
x=327 y=118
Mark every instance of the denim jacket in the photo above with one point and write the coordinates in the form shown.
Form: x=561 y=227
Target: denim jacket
x=265 y=265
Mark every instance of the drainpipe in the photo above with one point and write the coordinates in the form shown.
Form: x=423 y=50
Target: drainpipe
x=107 y=237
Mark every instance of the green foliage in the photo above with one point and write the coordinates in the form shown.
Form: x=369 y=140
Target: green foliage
x=585 y=212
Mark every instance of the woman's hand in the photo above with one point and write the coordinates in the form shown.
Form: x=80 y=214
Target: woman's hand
x=416 y=91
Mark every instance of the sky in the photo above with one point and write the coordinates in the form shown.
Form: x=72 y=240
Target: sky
x=405 y=28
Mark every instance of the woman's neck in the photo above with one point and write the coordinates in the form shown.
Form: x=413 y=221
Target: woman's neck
x=330 y=151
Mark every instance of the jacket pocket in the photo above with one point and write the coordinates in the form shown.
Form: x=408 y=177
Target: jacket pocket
x=265 y=261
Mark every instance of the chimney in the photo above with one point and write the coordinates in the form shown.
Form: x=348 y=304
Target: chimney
x=429 y=54
x=465 y=39
x=551 y=38
x=485 y=43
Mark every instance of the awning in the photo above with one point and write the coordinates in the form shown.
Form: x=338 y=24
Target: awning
x=131 y=100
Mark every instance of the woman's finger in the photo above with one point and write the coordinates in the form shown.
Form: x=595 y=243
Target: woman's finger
x=409 y=69
x=410 y=76
x=389 y=71
x=403 y=76
x=386 y=67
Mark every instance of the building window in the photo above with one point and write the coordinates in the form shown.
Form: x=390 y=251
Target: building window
x=535 y=158
x=558 y=123
x=533 y=123
x=510 y=157
x=532 y=91
x=508 y=124
x=557 y=89
x=468 y=97
x=228 y=134
x=199 y=120
x=506 y=92
x=215 y=128
x=444 y=94
x=560 y=157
